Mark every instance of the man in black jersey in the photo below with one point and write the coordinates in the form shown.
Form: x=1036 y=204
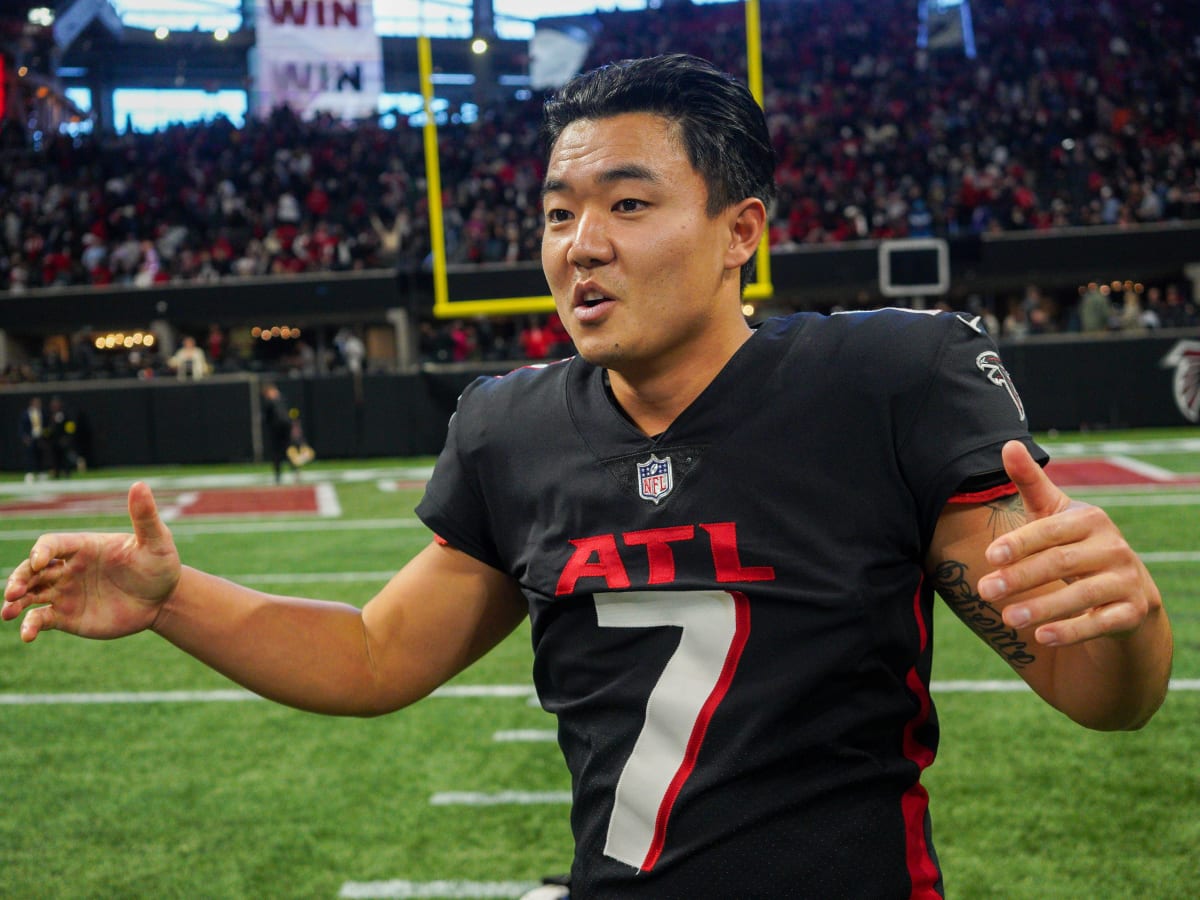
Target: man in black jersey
x=727 y=539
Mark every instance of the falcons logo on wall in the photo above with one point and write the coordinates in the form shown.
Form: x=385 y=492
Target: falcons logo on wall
x=1185 y=359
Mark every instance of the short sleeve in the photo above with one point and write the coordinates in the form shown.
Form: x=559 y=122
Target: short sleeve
x=453 y=505
x=969 y=408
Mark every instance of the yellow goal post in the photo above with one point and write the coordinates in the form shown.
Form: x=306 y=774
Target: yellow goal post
x=445 y=308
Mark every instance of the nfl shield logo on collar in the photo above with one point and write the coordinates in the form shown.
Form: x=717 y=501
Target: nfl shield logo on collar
x=654 y=478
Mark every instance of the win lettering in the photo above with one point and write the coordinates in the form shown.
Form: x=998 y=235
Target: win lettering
x=331 y=13
x=318 y=77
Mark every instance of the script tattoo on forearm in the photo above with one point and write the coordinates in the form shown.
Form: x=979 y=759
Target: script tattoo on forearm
x=950 y=580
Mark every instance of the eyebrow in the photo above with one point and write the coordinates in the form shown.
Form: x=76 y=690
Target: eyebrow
x=629 y=172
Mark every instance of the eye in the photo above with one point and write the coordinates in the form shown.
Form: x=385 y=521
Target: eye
x=557 y=215
x=629 y=205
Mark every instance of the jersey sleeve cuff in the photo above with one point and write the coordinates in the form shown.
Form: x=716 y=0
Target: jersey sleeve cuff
x=1000 y=490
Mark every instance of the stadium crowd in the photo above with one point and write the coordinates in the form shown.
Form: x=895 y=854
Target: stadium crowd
x=1076 y=113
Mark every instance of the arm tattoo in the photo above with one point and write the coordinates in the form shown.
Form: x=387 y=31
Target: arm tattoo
x=950 y=580
x=1005 y=514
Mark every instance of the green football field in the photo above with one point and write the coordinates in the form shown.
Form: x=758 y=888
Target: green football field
x=129 y=770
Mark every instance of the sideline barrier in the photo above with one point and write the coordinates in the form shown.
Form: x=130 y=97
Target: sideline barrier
x=1066 y=383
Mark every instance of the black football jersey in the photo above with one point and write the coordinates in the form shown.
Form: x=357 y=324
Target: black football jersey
x=730 y=619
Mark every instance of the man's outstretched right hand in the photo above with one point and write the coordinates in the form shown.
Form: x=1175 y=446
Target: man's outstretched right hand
x=96 y=585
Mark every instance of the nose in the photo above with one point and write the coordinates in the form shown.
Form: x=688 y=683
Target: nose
x=590 y=245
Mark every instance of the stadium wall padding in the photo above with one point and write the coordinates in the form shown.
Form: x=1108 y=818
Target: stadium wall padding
x=1066 y=384
x=808 y=276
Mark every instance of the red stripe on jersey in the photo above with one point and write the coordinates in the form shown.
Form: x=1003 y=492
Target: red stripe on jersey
x=741 y=633
x=1003 y=490
x=915 y=803
x=440 y=541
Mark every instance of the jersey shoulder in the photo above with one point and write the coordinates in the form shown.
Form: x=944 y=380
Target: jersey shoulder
x=493 y=409
x=903 y=331
x=891 y=348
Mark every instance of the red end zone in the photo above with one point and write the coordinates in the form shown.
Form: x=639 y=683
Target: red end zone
x=1068 y=473
x=174 y=504
x=303 y=499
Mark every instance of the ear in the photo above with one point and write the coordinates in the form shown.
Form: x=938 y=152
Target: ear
x=747 y=222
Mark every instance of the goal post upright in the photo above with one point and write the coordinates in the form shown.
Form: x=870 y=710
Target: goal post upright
x=445 y=308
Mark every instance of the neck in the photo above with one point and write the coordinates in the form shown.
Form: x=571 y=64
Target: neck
x=652 y=397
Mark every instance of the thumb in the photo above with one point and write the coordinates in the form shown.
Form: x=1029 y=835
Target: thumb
x=1041 y=496
x=148 y=528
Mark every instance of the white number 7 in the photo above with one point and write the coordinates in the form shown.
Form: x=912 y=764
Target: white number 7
x=715 y=627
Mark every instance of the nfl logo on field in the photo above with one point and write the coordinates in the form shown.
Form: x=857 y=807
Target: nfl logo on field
x=654 y=478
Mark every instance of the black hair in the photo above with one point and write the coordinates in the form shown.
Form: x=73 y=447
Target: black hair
x=720 y=124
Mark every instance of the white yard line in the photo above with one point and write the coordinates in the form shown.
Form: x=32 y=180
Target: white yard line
x=1141 y=448
x=214 y=480
x=170 y=512
x=1170 y=556
x=200 y=529
x=526 y=736
x=499 y=798
x=498 y=691
x=1143 y=468
x=398 y=889
x=236 y=695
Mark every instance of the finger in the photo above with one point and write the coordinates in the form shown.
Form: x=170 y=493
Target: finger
x=1042 y=553
x=23 y=577
x=1040 y=495
x=37 y=620
x=148 y=527
x=1065 y=545
x=50 y=547
x=14 y=587
x=13 y=606
x=1099 y=621
x=1062 y=601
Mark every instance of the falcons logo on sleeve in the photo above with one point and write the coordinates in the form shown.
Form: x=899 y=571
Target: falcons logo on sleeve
x=989 y=364
x=1185 y=359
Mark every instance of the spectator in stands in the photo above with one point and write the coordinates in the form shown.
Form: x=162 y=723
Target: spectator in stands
x=991 y=324
x=1176 y=311
x=1042 y=130
x=351 y=349
x=463 y=341
x=216 y=346
x=189 y=362
x=1131 y=318
x=1095 y=310
x=535 y=339
x=1015 y=326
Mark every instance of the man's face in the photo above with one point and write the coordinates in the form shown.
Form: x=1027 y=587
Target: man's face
x=639 y=272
